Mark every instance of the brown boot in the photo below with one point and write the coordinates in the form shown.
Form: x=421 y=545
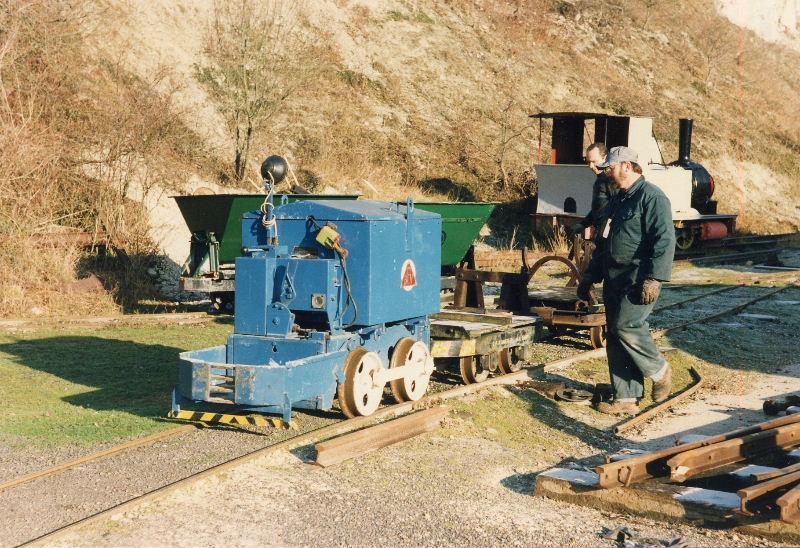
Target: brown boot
x=663 y=388
x=618 y=408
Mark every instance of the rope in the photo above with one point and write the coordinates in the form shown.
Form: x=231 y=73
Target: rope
x=291 y=172
x=267 y=208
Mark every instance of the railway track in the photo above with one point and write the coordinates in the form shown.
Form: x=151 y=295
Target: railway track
x=735 y=248
x=764 y=293
x=147 y=440
x=313 y=431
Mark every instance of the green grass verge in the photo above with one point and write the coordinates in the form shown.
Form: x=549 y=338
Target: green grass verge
x=524 y=419
x=82 y=386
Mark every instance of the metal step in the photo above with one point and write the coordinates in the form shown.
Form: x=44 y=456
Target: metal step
x=220 y=400
x=224 y=378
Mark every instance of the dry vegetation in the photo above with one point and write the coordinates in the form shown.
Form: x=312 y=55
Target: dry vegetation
x=77 y=131
x=411 y=97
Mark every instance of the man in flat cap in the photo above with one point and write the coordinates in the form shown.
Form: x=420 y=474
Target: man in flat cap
x=637 y=245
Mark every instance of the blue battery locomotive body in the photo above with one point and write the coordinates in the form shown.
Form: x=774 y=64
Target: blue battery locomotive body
x=332 y=300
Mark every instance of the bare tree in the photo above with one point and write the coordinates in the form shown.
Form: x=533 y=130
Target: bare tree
x=715 y=39
x=260 y=52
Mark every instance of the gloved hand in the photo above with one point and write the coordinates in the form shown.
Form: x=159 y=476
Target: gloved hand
x=584 y=290
x=649 y=291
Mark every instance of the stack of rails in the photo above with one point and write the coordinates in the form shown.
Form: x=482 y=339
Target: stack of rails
x=767 y=488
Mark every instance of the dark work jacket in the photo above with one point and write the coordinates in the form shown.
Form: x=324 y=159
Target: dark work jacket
x=641 y=239
x=602 y=191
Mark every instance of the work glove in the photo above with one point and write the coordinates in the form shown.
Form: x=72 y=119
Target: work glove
x=584 y=289
x=649 y=291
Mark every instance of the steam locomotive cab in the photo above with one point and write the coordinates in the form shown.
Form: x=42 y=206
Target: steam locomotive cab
x=565 y=182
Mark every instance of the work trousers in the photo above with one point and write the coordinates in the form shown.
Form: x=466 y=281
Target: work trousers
x=632 y=352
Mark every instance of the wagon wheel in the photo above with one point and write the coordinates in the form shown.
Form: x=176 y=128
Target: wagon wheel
x=574 y=274
x=358 y=394
x=474 y=369
x=684 y=238
x=597 y=334
x=411 y=352
x=510 y=359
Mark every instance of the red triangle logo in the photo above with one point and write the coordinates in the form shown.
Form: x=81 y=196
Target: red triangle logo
x=409 y=275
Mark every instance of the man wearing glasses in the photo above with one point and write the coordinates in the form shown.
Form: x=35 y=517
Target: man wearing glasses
x=635 y=256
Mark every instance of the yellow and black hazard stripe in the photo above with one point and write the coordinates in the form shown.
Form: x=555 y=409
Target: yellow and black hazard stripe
x=221 y=418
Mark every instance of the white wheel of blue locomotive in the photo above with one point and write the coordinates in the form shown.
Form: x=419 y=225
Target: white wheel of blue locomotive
x=416 y=356
x=360 y=394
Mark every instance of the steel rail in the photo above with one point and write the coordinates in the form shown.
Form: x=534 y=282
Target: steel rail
x=697 y=297
x=307 y=438
x=752 y=492
x=789 y=504
x=690 y=463
x=764 y=476
x=96 y=456
x=663 y=406
x=654 y=464
x=658 y=333
x=729 y=256
x=650 y=413
x=734 y=241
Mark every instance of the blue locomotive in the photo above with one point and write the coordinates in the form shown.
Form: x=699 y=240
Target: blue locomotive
x=332 y=300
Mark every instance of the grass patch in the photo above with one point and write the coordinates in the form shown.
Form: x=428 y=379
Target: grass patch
x=524 y=419
x=86 y=387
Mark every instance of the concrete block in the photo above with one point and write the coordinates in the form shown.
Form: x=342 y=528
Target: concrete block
x=575 y=477
x=709 y=497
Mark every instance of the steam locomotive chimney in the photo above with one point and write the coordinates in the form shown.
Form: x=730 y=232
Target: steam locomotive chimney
x=685 y=141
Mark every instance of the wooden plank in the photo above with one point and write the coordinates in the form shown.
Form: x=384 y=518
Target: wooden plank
x=466 y=328
x=498 y=318
x=565 y=294
x=452 y=329
x=519 y=336
x=652 y=499
x=359 y=443
x=453 y=349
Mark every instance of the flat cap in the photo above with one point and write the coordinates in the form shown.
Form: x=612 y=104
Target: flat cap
x=619 y=154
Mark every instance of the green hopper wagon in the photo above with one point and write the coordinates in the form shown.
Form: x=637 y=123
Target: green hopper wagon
x=215 y=223
x=461 y=224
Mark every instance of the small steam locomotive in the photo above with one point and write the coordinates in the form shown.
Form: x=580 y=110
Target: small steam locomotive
x=565 y=183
